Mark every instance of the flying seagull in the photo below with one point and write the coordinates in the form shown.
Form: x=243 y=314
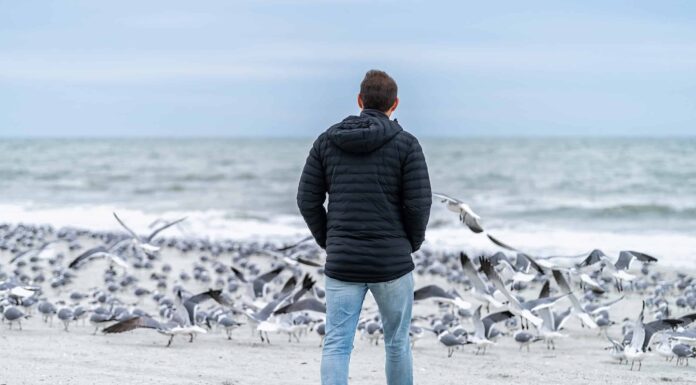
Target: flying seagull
x=183 y=322
x=513 y=304
x=466 y=214
x=146 y=242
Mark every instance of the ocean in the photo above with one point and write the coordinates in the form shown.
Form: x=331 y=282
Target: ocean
x=547 y=196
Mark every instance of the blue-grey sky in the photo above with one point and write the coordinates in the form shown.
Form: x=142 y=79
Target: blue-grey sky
x=291 y=68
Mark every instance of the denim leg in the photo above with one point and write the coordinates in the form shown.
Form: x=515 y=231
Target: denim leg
x=343 y=304
x=395 y=302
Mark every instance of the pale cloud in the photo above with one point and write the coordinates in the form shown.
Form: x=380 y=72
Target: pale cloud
x=300 y=59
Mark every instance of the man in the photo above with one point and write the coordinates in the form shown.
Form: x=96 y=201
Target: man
x=379 y=204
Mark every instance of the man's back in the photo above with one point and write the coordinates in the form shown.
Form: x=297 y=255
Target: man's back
x=379 y=204
x=379 y=197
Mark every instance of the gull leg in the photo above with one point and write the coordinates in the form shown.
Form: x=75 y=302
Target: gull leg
x=171 y=338
x=191 y=337
x=632 y=362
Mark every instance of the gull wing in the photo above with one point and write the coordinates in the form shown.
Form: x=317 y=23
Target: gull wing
x=642 y=256
x=431 y=291
x=500 y=243
x=306 y=262
x=37 y=250
x=268 y=276
x=128 y=229
x=559 y=319
x=289 y=286
x=292 y=246
x=638 y=339
x=240 y=276
x=688 y=319
x=132 y=324
x=307 y=285
x=307 y=304
x=565 y=288
x=595 y=256
x=652 y=328
x=479 y=327
x=88 y=254
x=162 y=228
x=470 y=219
x=471 y=273
x=446 y=198
x=493 y=276
x=183 y=314
x=494 y=318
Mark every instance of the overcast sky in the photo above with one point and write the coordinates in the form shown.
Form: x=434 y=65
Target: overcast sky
x=292 y=68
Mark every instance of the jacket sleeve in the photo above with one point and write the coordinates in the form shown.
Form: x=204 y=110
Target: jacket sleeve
x=311 y=195
x=416 y=195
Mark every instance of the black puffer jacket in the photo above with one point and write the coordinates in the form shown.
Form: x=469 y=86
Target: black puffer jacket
x=379 y=197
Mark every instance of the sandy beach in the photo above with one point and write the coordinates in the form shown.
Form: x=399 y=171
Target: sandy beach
x=47 y=354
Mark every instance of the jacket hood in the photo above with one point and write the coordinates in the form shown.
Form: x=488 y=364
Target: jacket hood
x=364 y=133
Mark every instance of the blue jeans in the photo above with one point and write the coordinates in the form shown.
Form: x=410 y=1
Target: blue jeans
x=343 y=304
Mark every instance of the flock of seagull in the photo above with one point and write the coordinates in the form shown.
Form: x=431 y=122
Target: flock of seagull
x=273 y=289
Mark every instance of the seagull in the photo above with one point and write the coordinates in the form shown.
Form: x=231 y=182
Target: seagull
x=100 y=252
x=525 y=338
x=146 y=243
x=552 y=326
x=619 y=269
x=12 y=314
x=642 y=336
x=683 y=352
x=434 y=291
x=416 y=333
x=450 y=341
x=479 y=289
x=483 y=328
x=229 y=324
x=66 y=315
x=259 y=283
x=259 y=320
x=579 y=311
x=544 y=301
x=466 y=214
x=617 y=350
x=183 y=323
x=513 y=304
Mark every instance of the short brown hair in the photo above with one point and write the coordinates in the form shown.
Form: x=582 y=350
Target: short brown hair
x=378 y=90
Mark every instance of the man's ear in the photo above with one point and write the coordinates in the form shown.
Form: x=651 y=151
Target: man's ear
x=360 y=102
x=393 y=107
